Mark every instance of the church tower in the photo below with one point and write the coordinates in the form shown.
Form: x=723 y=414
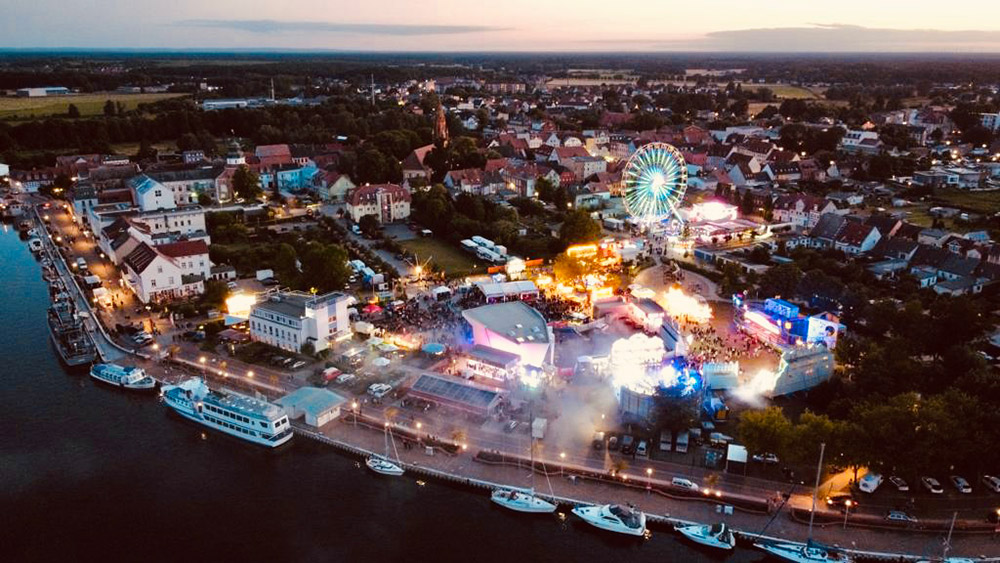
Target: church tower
x=441 y=126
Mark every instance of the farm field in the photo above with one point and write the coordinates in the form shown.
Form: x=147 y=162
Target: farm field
x=88 y=104
x=448 y=258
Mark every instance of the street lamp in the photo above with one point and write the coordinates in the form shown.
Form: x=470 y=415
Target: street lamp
x=649 y=478
x=562 y=461
x=847 y=510
x=250 y=374
x=354 y=408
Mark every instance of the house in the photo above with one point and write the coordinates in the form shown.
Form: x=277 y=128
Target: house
x=783 y=172
x=335 y=186
x=188 y=183
x=273 y=155
x=856 y=238
x=584 y=167
x=895 y=248
x=464 y=180
x=960 y=286
x=387 y=202
x=563 y=155
x=591 y=196
x=191 y=256
x=860 y=141
x=150 y=195
x=413 y=165
x=154 y=277
x=290 y=320
x=846 y=199
x=801 y=210
x=825 y=232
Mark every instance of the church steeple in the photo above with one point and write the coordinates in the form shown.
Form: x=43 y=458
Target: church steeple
x=234 y=157
x=441 y=126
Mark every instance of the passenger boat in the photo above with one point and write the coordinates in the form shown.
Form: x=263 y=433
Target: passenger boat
x=718 y=536
x=614 y=518
x=69 y=334
x=253 y=420
x=126 y=377
x=383 y=464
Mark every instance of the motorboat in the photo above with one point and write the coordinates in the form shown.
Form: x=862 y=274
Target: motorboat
x=718 y=535
x=521 y=501
x=127 y=377
x=614 y=518
x=379 y=464
x=803 y=553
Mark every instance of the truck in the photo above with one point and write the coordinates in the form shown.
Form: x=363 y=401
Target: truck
x=469 y=246
x=538 y=427
x=264 y=275
x=501 y=250
x=483 y=242
x=681 y=445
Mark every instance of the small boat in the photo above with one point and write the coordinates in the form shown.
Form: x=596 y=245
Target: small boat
x=718 y=536
x=35 y=245
x=614 y=518
x=383 y=464
x=803 y=553
x=521 y=501
x=379 y=464
x=125 y=377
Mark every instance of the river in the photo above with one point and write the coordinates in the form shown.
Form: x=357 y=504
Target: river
x=89 y=472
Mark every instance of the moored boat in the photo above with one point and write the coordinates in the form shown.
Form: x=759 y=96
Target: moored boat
x=718 y=535
x=253 y=420
x=803 y=553
x=382 y=463
x=126 y=377
x=521 y=501
x=614 y=518
x=69 y=334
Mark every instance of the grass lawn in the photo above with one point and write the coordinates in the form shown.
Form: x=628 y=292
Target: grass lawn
x=976 y=202
x=88 y=104
x=448 y=258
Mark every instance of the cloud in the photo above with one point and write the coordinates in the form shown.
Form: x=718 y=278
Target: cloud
x=848 y=38
x=275 y=26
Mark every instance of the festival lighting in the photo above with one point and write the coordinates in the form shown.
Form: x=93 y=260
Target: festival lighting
x=680 y=305
x=713 y=211
x=762 y=321
x=239 y=304
x=581 y=251
x=654 y=181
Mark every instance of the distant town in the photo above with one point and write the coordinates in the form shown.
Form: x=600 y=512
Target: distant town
x=698 y=278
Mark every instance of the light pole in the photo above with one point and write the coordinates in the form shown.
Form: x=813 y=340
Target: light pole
x=354 y=409
x=562 y=461
x=847 y=510
x=649 y=479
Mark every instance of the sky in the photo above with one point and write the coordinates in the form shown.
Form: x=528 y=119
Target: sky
x=504 y=25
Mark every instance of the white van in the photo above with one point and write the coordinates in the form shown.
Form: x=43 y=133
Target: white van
x=683 y=483
x=869 y=483
x=642 y=449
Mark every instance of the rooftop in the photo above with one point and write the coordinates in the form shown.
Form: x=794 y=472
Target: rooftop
x=514 y=320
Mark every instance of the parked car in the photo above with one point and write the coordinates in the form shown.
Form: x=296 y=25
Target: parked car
x=961 y=484
x=992 y=482
x=900 y=516
x=510 y=426
x=598 y=440
x=869 y=483
x=613 y=443
x=683 y=483
x=768 y=458
x=932 y=485
x=345 y=378
x=299 y=364
x=899 y=483
x=627 y=444
x=642 y=449
x=231 y=285
x=379 y=390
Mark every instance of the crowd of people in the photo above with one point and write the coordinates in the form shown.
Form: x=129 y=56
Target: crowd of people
x=709 y=346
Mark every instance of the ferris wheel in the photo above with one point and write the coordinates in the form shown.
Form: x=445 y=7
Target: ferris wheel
x=654 y=181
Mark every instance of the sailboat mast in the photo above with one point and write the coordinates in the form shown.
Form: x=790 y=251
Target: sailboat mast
x=947 y=541
x=819 y=469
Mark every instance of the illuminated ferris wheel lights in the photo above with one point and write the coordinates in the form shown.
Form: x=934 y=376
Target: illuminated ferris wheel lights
x=655 y=179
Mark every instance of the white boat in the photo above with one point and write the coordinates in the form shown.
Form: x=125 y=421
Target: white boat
x=126 y=377
x=383 y=464
x=35 y=245
x=718 y=536
x=253 y=420
x=521 y=501
x=614 y=518
x=803 y=553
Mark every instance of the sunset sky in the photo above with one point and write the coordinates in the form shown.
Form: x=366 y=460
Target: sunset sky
x=512 y=25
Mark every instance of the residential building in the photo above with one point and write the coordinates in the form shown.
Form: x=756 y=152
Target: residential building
x=801 y=210
x=387 y=202
x=155 y=277
x=289 y=320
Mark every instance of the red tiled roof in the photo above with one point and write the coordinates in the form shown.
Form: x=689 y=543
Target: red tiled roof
x=183 y=248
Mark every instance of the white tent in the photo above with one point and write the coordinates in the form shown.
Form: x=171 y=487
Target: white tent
x=736 y=454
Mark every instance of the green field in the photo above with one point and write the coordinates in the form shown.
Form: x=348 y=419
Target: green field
x=975 y=202
x=88 y=104
x=453 y=261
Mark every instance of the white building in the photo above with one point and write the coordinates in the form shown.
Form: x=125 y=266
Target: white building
x=288 y=320
x=150 y=195
x=154 y=276
x=990 y=121
x=387 y=202
x=4 y=170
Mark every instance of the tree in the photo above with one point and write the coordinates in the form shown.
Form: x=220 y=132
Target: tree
x=579 y=227
x=324 y=267
x=285 y=263
x=369 y=225
x=308 y=348
x=109 y=108
x=73 y=112
x=204 y=199
x=780 y=280
x=766 y=431
x=673 y=413
x=246 y=183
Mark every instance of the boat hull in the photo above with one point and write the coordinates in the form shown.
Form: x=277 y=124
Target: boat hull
x=695 y=534
x=597 y=522
x=194 y=417
x=522 y=502
x=383 y=467
x=799 y=553
x=72 y=361
x=146 y=384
